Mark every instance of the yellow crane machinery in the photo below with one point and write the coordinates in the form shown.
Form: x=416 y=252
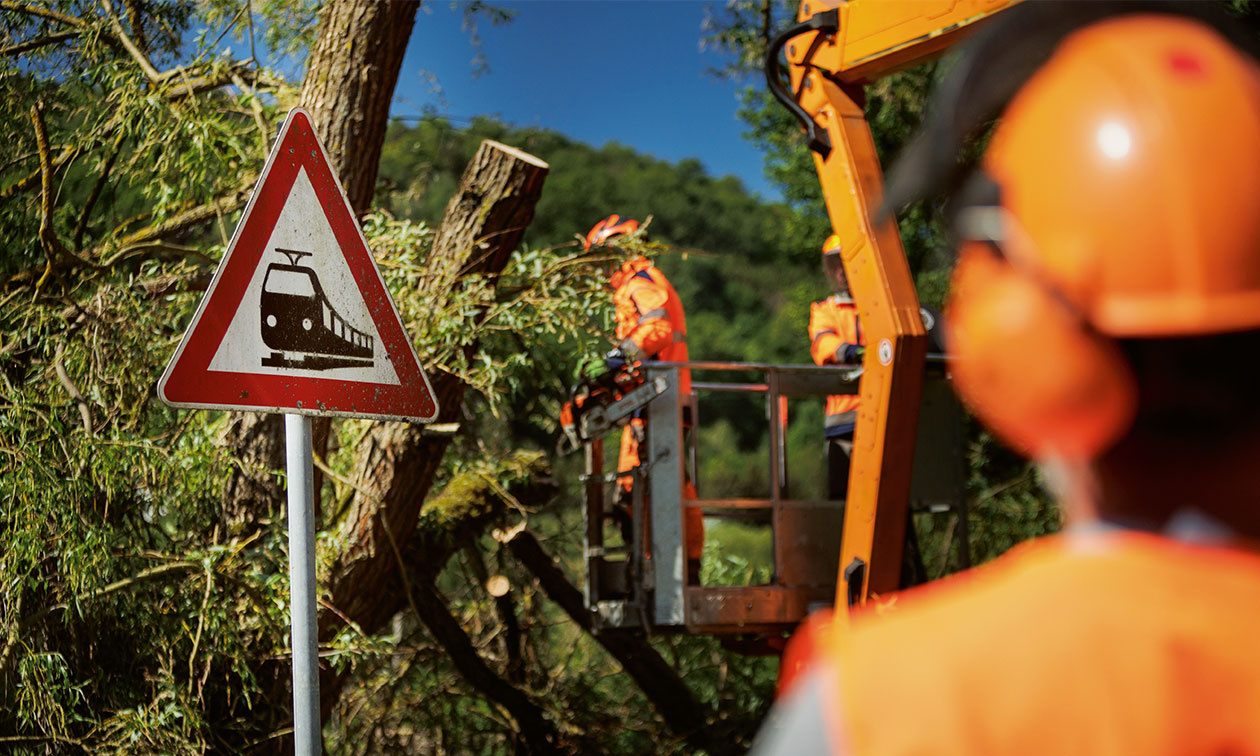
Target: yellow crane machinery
x=835 y=49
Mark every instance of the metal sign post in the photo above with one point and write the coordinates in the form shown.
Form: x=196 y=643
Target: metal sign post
x=304 y=633
x=298 y=320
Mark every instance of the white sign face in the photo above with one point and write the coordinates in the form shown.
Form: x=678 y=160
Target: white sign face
x=304 y=264
x=298 y=318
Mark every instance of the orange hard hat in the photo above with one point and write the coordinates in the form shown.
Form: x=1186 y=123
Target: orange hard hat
x=1125 y=204
x=832 y=245
x=1130 y=164
x=613 y=225
x=833 y=265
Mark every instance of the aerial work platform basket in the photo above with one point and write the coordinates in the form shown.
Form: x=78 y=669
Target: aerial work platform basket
x=643 y=583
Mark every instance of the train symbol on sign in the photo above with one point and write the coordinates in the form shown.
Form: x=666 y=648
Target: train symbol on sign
x=301 y=327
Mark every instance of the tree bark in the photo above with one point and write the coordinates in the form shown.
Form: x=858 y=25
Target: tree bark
x=669 y=695
x=253 y=489
x=350 y=77
x=484 y=222
x=538 y=734
x=350 y=82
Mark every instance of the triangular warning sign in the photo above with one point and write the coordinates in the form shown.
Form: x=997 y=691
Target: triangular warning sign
x=297 y=318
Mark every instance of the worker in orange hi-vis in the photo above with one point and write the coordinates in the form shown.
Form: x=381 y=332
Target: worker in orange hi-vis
x=650 y=325
x=1104 y=318
x=835 y=338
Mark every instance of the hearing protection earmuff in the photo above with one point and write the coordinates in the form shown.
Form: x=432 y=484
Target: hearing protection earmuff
x=1027 y=363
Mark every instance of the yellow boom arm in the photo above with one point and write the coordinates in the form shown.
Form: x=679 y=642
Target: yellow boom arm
x=837 y=47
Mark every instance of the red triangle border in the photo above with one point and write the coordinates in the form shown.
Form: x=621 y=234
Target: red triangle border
x=188 y=381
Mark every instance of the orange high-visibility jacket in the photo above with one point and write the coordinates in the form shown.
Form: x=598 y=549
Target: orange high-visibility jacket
x=651 y=324
x=650 y=319
x=1097 y=642
x=834 y=324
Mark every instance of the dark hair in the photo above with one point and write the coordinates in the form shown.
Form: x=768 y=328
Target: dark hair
x=1200 y=390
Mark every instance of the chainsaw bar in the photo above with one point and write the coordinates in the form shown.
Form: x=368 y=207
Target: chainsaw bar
x=600 y=420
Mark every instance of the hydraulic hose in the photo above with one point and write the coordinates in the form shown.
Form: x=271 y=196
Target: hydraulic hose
x=825 y=23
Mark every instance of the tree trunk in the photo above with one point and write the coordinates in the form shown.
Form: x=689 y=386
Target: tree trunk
x=349 y=85
x=484 y=222
x=350 y=77
x=254 y=489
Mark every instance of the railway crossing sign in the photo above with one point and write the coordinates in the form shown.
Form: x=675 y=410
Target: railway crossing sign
x=297 y=318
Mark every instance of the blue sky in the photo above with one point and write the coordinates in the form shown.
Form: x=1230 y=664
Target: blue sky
x=595 y=70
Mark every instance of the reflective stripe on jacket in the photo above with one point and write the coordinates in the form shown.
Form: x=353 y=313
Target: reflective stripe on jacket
x=650 y=319
x=834 y=324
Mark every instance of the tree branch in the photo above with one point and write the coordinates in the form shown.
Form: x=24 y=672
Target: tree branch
x=189 y=87
x=164 y=285
x=85 y=413
x=134 y=18
x=68 y=153
x=207 y=83
x=95 y=194
x=173 y=250
x=14 y=631
x=506 y=609
x=669 y=695
x=255 y=106
x=135 y=52
x=47 y=236
x=149 y=238
x=767 y=23
x=53 y=248
x=348 y=93
x=540 y=734
x=42 y=12
x=175 y=224
x=141 y=576
x=38 y=42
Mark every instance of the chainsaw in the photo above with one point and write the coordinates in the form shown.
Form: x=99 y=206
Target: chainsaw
x=599 y=404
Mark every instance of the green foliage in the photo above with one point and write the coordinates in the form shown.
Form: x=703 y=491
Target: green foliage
x=129 y=621
x=154 y=151
x=110 y=539
x=282 y=28
x=736 y=553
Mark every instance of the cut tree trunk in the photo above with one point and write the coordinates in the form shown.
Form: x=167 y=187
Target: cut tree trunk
x=484 y=222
